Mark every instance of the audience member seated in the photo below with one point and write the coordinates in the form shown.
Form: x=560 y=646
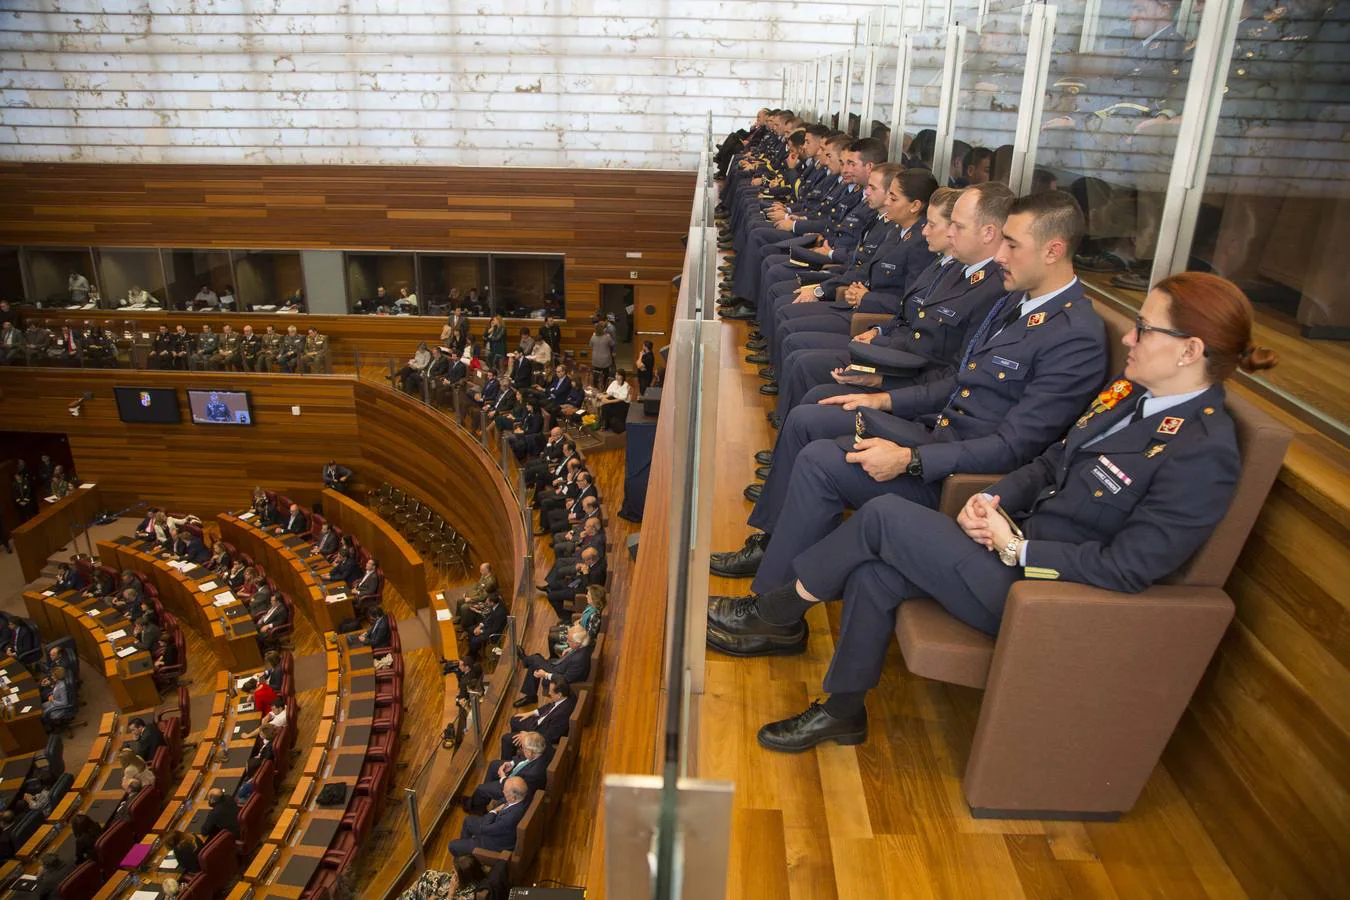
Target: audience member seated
x=264 y=748
x=591 y=618
x=292 y=350
x=496 y=830
x=377 y=635
x=296 y=521
x=68 y=578
x=135 y=766
x=614 y=407
x=87 y=832
x=264 y=508
x=276 y=717
x=186 y=847
x=566 y=581
x=273 y=673
x=548 y=720
x=529 y=763
x=39 y=799
x=224 y=815
x=326 y=544
x=188 y=546
x=262 y=692
x=573 y=664
x=220 y=558
x=164 y=658
x=261 y=600
x=369 y=584
x=242 y=579
x=469 y=609
x=145 y=739
x=551 y=462
x=59 y=707
x=345 y=566
x=490 y=626
x=147 y=631
x=51 y=873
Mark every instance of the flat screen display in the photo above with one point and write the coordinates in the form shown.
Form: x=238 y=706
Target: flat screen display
x=157 y=406
x=220 y=407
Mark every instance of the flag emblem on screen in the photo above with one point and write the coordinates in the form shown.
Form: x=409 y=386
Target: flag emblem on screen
x=145 y=398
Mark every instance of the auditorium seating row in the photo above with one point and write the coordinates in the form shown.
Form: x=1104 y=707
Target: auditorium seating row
x=424 y=527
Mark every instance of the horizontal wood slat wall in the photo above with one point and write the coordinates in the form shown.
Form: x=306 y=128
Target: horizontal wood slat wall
x=206 y=469
x=594 y=217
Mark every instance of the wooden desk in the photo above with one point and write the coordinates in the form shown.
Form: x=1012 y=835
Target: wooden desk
x=14 y=771
x=91 y=622
x=194 y=596
x=21 y=728
x=285 y=565
x=48 y=531
x=290 y=855
x=402 y=564
x=210 y=764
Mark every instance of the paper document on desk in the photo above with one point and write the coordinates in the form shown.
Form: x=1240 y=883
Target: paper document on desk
x=207 y=586
x=51 y=499
x=49 y=593
x=337 y=598
x=119 y=633
x=126 y=651
x=247 y=515
x=226 y=596
x=87 y=485
x=443 y=615
x=26 y=709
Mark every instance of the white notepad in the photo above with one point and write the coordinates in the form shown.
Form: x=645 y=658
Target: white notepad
x=207 y=586
x=127 y=651
x=443 y=615
x=226 y=596
x=119 y=633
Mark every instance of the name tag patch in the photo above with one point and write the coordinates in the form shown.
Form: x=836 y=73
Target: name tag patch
x=887 y=267
x=947 y=311
x=1106 y=480
x=1007 y=363
x=1115 y=470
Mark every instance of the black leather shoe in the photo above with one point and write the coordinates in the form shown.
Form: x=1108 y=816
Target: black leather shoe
x=764 y=457
x=759 y=359
x=762 y=473
x=724 y=245
x=770 y=389
x=752 y=492
x=814 y=726
x=741 y=313
x=759 y=344
x=754 y=336
x=735 y=628
x=523 y=701
x=768 y=373
x=740 y=563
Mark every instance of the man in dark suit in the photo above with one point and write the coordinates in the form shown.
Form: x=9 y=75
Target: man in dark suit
x=551 y=334
x=549 y=719
x=345 y=567
x=296 y=521
x=327 y=543
x=368 y=585
x=68 y=578
x=224 y=814
x=336 y=476
x=574 y=665
x=377 y=635
x=50 y=876
x=529 y=763
x=550 y=452
x=497 y=829
x=264 y=748
x=555 y=511
x=147 y=739
x=188 y=545
x=276 y=616
x=567 y=535
x=492 y=623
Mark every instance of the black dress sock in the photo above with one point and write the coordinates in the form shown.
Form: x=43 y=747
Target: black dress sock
x=782 y=605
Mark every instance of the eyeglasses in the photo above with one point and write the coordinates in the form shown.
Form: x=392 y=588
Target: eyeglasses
x=1141 y=328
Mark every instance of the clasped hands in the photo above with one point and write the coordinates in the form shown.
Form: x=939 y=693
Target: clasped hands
x=982 y=523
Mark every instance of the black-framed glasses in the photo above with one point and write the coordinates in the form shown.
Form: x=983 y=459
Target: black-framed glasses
x=1141 y=328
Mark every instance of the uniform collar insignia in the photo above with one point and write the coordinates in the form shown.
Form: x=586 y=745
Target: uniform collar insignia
x=1154 y=450
x=977 y=276
x=1035 y=319
x=1170 y=425
x=906 y=235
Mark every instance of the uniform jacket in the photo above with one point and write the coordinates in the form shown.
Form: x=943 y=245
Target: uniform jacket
x=1019 y=391
x=1123 y=512
x=497 y=830
x=937 y=324
x=896 y=265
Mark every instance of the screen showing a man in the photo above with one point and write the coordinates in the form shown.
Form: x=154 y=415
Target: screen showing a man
x=220 y=408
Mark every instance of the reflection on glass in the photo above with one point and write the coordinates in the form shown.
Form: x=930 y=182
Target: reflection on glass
x=1114 y=101
x=61 y=277
x=382 y=283
x=130 y=279
x=269 y=280
x=528 y=285
x=11 y=276
x=991 y=87
x=200 y=279
x=1276 y=211
x=925 y=93
x=451 y=280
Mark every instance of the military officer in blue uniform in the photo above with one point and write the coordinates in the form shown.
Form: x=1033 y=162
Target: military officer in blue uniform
x=1136 y=487
x=1033 y=363
x=882 y=287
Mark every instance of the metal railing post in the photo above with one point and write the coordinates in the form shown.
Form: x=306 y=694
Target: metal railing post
x=411 y=796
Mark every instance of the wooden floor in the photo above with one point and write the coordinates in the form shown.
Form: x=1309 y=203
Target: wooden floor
x=1313 y=372
x=887 y=819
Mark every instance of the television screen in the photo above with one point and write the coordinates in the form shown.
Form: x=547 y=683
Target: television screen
x=155 y=405
x=220 y=407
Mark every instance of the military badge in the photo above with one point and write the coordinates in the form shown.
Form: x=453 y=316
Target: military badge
x=1154 y=450
x=977 y=277
x=1117 y=391
x=1170 y=425
x=1035 y=319
x=859 y=427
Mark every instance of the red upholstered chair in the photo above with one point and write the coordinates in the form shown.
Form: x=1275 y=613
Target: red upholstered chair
x=160 y=765
x=388 y=691
x=360 y=815
x=219 y=859
x=113 y=844
x=394 y=671
x=196 y=887
x=383 y=746
x=343 y=848
x=145 y=808
x=251 y=816
x=324 y=880
x=173 y=738
x=82 y=883
x=388 y=718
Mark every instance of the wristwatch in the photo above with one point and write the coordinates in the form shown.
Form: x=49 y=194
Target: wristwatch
x=819 y=292
x=915 y=467
x=1010 y=553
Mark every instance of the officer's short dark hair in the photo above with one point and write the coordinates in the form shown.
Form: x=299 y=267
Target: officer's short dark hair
x=887 y=171
x=922 y=147
x=993 y=201
x=561 y=686
x=918 y=184
x=839 y=139
x=870 y=151
x=797 y=138
x=818 y=130
x=974 y=157
x=1055 y=214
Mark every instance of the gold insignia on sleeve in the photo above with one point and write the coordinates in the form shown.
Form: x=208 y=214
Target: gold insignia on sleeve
x=1170 y=425
x=1208 y=410
x=1154 y=450
x=859 y=427
x=1035 y=319
x=1041 y=572
x=977 y=276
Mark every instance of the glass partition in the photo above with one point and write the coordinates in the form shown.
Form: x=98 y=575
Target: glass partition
x=382 y=282
x=527 y=286
x=130 y=278
x=924 y=95
x=992 y=75
x=448 y=280
x=200 y=279
x=268 y=279
x=60 y=276
x=1274 y=214
x=11 y=276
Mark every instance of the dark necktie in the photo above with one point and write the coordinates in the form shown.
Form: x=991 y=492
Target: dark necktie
x=1011 y=316
x=1138 y=411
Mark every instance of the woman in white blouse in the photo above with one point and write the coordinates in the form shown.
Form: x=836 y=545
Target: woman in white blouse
x=614 y=406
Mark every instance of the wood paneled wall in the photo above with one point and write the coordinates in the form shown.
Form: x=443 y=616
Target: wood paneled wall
x=594 y=217
x=209 y=469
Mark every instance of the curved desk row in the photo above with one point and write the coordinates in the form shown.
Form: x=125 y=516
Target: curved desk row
x=192 y=594
x=220 y=761
x=282 y=557
x=50 y=530
x=86 y=794
x=290 y=856
x=103 y=640
x=399 y=560
x=21 y=728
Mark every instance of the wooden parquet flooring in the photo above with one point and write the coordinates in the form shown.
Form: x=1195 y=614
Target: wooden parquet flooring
x=887 y=819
